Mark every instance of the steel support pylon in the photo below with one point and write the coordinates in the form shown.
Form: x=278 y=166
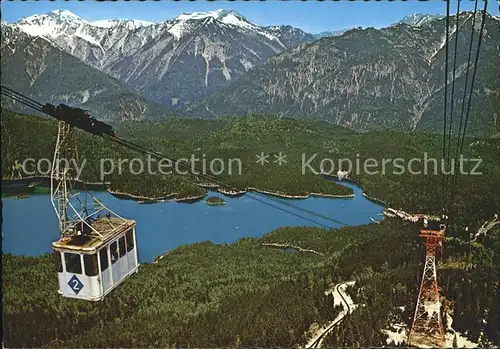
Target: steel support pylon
x=427 y=327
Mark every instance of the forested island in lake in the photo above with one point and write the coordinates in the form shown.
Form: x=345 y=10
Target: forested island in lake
x=215 y=200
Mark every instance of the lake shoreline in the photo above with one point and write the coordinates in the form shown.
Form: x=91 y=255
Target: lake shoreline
x=190 y=199
x=45 y=181
x=306 y=196
x=226 y=192
x=128 y=196
x=272 y=193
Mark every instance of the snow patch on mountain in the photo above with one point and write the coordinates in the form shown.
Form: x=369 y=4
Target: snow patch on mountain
x=130 y=24
x=247 y=64
x=49 y=23
x=179 y=28
x=234 y=18
x=186 y=16
x=224 y=16
x=183 y=23
x=418 y=19
x=65 y=15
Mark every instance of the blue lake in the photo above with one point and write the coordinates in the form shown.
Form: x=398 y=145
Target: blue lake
x=30 y=225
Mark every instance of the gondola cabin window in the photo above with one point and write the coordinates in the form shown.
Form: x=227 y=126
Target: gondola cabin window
x=90 y=263
x=103 y=256
x=113 y=249
x=73 y=263
x=130 y=240
x=58 y=260
x=121 y=246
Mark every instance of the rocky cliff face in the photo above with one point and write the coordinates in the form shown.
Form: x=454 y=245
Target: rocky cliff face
x=371 y=79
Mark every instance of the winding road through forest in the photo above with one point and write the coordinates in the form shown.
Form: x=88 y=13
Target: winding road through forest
x=348 y=306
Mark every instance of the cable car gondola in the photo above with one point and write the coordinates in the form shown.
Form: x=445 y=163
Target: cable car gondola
x=97 y=248
x=90 y=266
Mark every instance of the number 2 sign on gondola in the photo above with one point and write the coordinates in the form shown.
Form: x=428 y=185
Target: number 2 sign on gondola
x=75 y=284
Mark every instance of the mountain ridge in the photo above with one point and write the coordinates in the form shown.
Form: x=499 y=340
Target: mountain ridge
x=208 y=48
x=390 y=78
x=219 y=63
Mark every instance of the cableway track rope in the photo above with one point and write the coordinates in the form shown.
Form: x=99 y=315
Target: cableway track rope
x=450 y=185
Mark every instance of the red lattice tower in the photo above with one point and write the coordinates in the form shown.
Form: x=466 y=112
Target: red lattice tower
x=427 y=328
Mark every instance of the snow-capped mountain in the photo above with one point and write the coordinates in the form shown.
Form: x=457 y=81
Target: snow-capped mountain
x=175 y=61
x=49 y=24
x=419 y=19
x=231 y=18
x=94 y=43
x=37 y=68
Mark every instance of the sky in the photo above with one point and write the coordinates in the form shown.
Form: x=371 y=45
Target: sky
x=311 y=16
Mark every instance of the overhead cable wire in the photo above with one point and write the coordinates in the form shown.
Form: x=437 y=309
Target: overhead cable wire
x=452 y=107
x=476 y=60
x=464 y=100
x=7 y=89
x=21 y=100
x=461 y=139
x=447 y=38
